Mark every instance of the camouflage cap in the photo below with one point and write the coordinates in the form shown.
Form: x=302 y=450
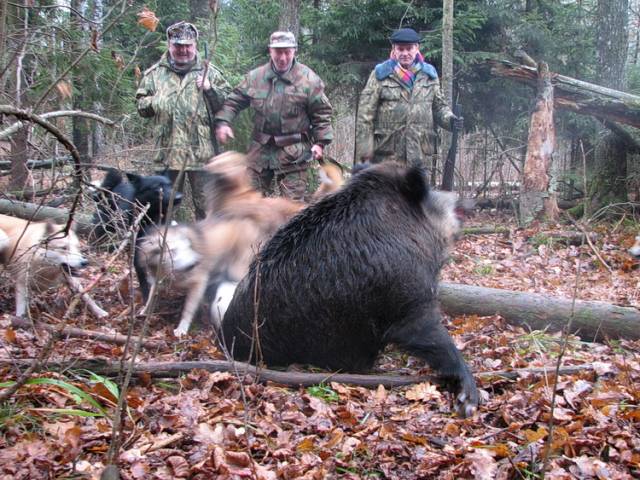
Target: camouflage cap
x=182 y=33
x=282 y=40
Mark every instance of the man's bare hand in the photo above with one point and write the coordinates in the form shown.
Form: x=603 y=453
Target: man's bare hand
x=317 y=150
x=203 y=83
x=224 y=132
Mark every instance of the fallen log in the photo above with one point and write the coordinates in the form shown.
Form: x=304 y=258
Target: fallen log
x=74 y=332
x=295 y=379
x=591 y=321
x=39 y=213
x=38 y=164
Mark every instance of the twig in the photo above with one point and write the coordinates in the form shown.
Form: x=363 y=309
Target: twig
x=563 y=349
x=165 y=442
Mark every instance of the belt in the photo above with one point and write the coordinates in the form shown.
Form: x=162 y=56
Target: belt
x=280 y=140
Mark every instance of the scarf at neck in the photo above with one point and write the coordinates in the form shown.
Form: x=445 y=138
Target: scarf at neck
x=406 y=76
x=183 y=68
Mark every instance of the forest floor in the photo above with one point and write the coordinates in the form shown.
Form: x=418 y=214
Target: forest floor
x=216 y=425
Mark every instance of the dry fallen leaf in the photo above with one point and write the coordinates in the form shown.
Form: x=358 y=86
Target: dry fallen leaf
x=64 y=89
x=148 y=19
x=423 y=392
x=482 y=464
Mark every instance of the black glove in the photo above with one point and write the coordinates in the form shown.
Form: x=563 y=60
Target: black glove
x=457 y=123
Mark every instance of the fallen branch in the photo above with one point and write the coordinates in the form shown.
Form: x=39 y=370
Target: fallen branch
x=5 y=165
x=485 y=230
x=294 y=379
x=73 y=332
x=592 y=321
x=76 y=287
x=51 y=128
x=7 y=132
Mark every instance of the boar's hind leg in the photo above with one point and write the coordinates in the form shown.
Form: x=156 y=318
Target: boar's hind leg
x=427 y=338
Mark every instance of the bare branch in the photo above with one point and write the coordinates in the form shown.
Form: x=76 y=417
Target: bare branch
x=60 y=113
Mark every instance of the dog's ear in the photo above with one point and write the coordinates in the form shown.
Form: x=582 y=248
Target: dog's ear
x=134 y=178
x=165 y=173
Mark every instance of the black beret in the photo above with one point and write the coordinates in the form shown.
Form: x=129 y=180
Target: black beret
x=405 y=35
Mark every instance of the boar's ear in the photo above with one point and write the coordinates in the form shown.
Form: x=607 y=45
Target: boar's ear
x=415 y=186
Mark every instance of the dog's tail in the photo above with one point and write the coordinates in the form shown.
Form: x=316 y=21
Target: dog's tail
x=112 y=179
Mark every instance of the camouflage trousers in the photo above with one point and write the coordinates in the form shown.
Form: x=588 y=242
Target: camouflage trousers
x=197 y=184
x=274 y=183
x=282 y=171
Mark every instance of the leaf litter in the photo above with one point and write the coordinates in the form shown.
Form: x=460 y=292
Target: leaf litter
x=216 y=425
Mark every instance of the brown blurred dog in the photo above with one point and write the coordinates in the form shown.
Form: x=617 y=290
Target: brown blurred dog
x=208 y=258
x=37 y=254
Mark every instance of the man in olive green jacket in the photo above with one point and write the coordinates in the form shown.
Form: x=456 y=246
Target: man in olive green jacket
x=177 y=95
x=399 y=106
x=292 y=119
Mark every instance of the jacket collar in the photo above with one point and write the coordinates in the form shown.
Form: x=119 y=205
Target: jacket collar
x=164 y=62
x=288 y=76
x=384 y=69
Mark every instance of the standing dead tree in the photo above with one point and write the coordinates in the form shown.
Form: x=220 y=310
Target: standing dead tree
x=535 y=198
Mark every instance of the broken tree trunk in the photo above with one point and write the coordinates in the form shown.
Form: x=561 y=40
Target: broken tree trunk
x=38 y=213
x=535 y=198
x=575 y=95
x=592 y=321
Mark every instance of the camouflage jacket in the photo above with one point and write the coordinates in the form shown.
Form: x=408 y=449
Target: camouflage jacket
x=283 y=104
x=395 y=123
x=179 y=114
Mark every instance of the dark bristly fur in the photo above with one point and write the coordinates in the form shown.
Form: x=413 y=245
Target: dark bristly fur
x=350 y=274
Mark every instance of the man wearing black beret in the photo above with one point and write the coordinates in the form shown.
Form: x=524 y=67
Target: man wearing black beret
x=400 y=105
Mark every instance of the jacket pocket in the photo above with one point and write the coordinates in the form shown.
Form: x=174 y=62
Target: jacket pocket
x=293 y=105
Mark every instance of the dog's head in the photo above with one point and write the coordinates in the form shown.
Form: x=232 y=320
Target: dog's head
x=179 y=254
x=155 y=191
x=62 y=248
x=229 y=181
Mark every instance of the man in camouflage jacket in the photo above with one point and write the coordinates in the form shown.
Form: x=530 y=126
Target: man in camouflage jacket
x=399 y=105
x=292 y=119
x=179 y=98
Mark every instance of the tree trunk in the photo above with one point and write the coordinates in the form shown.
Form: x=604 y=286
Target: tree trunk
x=592 y=321
x=535 y=197
x=4 y=57
x=610 y=169
x=447 y=162
x=18 y=158
x=290 y=17
x=575 y=95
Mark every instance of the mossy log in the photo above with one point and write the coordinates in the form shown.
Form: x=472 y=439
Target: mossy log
x=591 y=321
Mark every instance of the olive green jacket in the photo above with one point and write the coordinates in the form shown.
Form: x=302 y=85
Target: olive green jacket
x=395 y=123
x=178 y=112
x=283 y=105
